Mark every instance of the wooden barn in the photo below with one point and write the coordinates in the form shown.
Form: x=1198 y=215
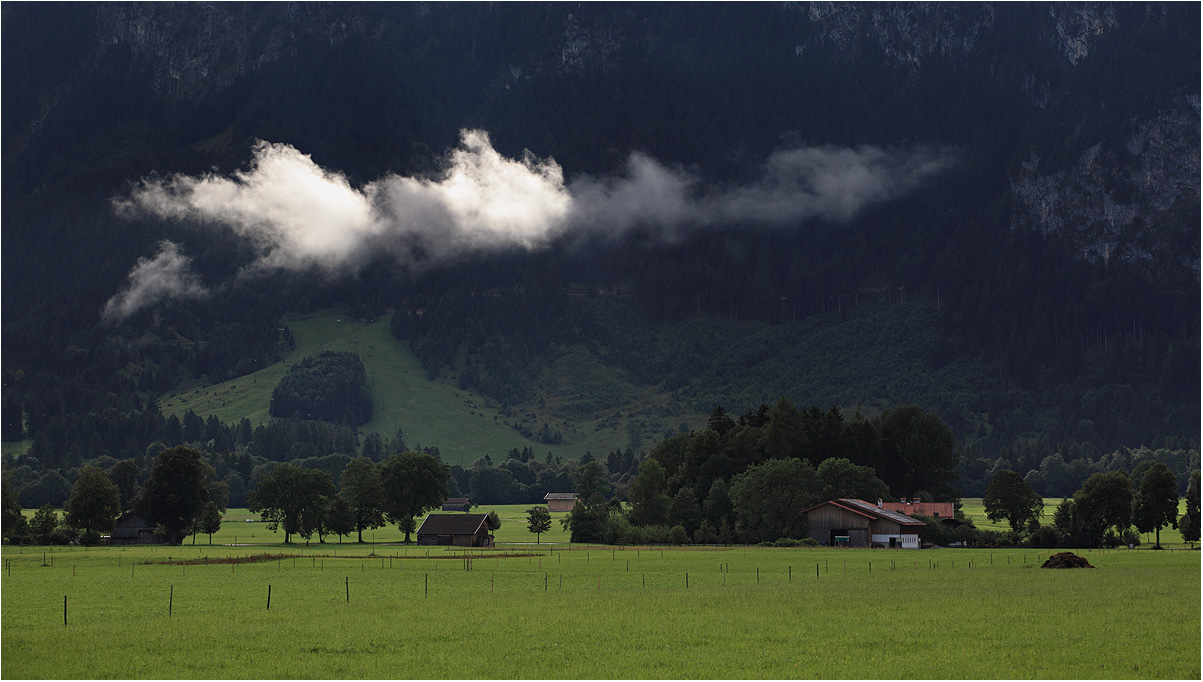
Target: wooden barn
x=849 y=522
x=560 y=501
x=131 y=529
x=456 y=504
x=459 y=530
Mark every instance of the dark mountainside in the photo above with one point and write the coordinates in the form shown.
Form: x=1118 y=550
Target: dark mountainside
x=1010 y=240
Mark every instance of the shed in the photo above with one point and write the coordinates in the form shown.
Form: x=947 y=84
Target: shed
x=856 y=523
x=132 y=529
x=459 y=504
x=459 y=530
x=560 y=501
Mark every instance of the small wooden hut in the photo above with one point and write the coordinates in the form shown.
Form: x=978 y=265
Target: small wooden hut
x=456 y=504
x=132 y=529
x=560 y=501
x=458 y=530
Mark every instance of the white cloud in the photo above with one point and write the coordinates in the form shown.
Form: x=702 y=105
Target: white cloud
x=300 y=215
x=167 y=275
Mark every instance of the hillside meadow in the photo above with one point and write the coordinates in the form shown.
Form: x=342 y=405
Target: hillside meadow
x=463 y=424
x=386 y=611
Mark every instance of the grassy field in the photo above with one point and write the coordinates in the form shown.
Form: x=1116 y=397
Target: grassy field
x=463 y=424
x=385 y=611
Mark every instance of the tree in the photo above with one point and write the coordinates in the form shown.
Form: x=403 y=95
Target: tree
x=1189 y=523
x=210 y=519
x=340 y=519
x=1063 y=518
x=94 y=503
x=494 y=520
x=718 y=505
x=14 y=523
x=918 y=452
x=1009 y=497
x=768 y=499
x=538 y=521
x=124 y=475
x=43 y=523
x=176 y=491
x=1156 y=504
x=587 y=520
x=293 y=498
x=591 y=478
x=363 y=490
x=414 y=483
x=686 y=511
x=842 y=478
x=1103 y=502
x=649 y=501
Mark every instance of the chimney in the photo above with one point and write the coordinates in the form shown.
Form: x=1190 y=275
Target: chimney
x=879 y=503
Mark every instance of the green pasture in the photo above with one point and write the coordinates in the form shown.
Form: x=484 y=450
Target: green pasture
x=386 y=611
x=463 y=424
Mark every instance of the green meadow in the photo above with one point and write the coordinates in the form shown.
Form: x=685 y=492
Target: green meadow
x=519 y=611
x=463 y=424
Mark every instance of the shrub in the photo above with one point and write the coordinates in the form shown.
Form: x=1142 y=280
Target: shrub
x=61 y=535
x=705 y=534
x=678 y=535
x=1045 y=537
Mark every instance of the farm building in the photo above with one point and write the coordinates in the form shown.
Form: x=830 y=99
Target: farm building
x=460 y=530
x=132 y=530
x=459 y=504
x=913 y=507
x=560 y=501
x=855 y=523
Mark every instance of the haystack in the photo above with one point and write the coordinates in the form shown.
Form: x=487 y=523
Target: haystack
x=1066 y=560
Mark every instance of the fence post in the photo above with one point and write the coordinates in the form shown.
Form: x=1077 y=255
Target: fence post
x=64 y=610
x=269 y=597
x=170 y=599
x=348 y=583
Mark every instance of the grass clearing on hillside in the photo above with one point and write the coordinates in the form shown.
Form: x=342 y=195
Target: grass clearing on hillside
x=462 y=424
x=600 y=612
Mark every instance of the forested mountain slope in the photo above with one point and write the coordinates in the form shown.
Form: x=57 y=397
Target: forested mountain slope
x=988 y=210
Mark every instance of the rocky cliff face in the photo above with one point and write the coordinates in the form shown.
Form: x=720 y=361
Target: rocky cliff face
x=1129 y=200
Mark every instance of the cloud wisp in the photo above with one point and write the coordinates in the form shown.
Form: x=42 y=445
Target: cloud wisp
x=167 y=275
x=299 y=215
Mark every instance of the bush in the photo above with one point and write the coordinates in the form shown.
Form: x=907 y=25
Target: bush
x=61 y=535
x=705 y=535
x=1045 y=537
x=89 y=538
x=678 y=535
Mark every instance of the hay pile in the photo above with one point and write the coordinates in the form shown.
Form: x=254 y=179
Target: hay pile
x=1066 y=560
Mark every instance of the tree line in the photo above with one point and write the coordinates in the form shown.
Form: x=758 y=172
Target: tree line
x=181 y=497
x=1102 y=512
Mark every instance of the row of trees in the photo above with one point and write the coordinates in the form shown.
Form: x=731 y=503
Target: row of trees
x=306 y=502
x=180 y=496
x=1102 y=512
